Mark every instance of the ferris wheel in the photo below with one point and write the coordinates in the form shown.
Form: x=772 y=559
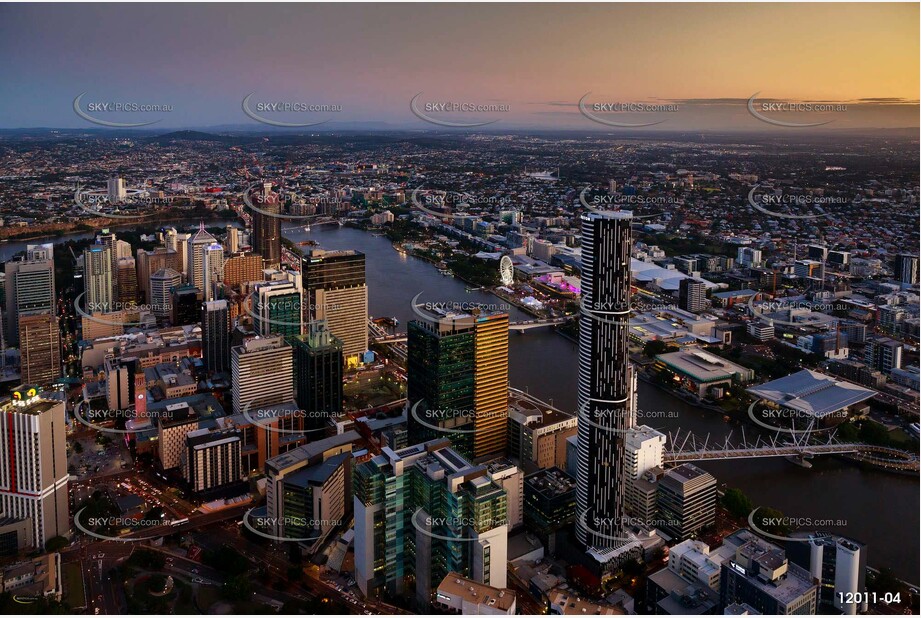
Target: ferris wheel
x=506 y=270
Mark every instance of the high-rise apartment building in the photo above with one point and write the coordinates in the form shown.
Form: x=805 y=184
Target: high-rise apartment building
x=33 y=463
x=117 y=192
x=906 y=268
x=40 y=348
x=692 y=295
x=213 y=460
x=241 y=269
x=607 y=387
x=98 y=279
x=335 y=290
x=458 y=381
x=232 y=240
x=422 y=512
x=215 y=335
x=686 y=501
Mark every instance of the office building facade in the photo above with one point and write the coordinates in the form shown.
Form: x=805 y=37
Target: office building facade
x=33 y=463
x=335 y=290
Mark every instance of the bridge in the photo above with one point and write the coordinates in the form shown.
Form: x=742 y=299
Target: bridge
x=799 y=445
x=524 y=325
x=379 y=335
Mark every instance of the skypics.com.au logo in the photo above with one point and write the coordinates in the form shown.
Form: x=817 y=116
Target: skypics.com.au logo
x=808 y=309
x=315 y=528
x=454 y=529
x=104 y=528
x=286 y=204
x=609 y=418
x=779 y=527
x=797 y=206
x=783 y=108
x=785 y=419
x=444 y=204
x=448 y=113
x=94 y=417
x=283 y=419
x=596 y=112
x=135 y=205
x=116 y=313
x=257 y=110
x=459 y=421
x=434 y=310
x=95 y=110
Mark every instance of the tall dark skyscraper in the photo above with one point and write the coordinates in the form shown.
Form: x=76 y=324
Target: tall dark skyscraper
x=318 y=375
x=335 y=291
x=458 y=380
x=606 y=380
x=266 y=228
x=215 y=334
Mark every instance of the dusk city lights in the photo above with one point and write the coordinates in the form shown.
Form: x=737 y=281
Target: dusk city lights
x=506 y=308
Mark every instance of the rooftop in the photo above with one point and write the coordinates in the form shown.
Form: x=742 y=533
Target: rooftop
x=811 y=392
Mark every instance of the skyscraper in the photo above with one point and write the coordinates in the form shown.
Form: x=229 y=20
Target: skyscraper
x=278 y=308
x=906 y=268
x=606 y=381
x=195 y=257
x=40 y=348
x=149 y=262
x=335 y=290
x=318 y=374
x=127 y=279
x=458 y=380
x=267 y=228
x=33 y=463
x=692 y=295
x=97 y=279
x=409 y=505
x=262 y=371
x=233 y=239
x=215 y=335
x=213 y=264
x=116 y=190
x=161 y=284
x=242 y=269
x=29 y=288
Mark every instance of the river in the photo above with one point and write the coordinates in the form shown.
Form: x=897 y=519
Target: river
x=878 y=508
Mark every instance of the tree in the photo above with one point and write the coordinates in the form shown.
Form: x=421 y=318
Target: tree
x=654 y=347
x=237 y=588
x=227 y=560
x=737 y=503
x=56 y=543
x=771 y=520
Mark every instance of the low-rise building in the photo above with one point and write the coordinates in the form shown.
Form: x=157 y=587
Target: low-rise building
x=460 y=595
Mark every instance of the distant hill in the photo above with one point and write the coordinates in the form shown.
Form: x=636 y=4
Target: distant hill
x=189 y=136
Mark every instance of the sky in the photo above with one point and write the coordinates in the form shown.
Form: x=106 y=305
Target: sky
x=530 y=64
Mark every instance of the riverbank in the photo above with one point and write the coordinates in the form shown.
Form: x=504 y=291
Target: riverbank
x=53 y=231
